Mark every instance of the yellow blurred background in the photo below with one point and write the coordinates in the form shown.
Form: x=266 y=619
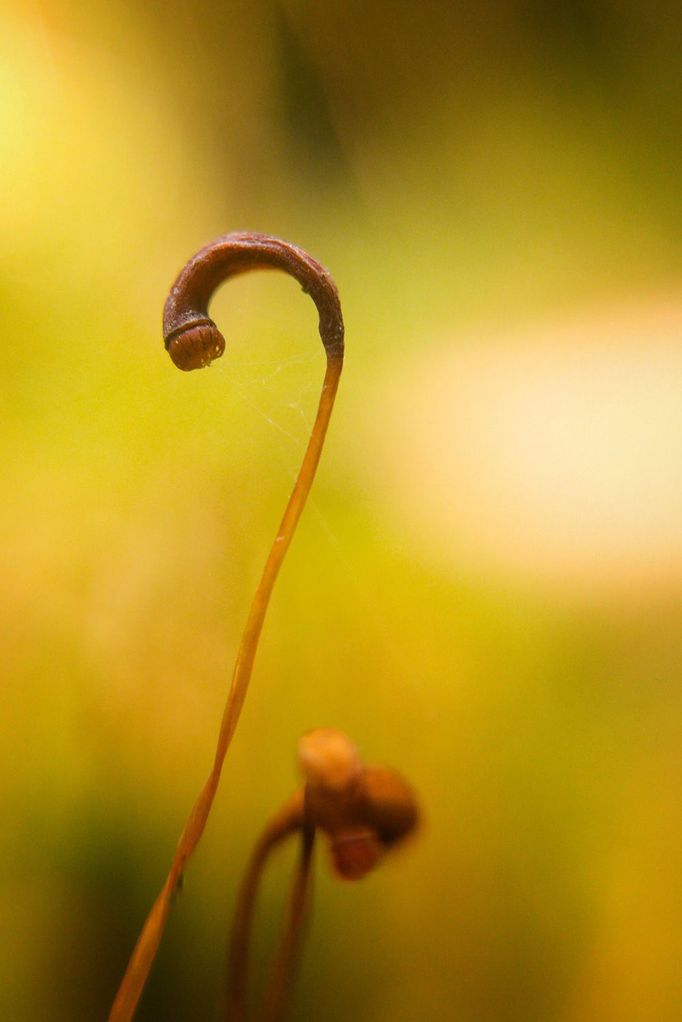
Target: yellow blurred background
x=485 y=588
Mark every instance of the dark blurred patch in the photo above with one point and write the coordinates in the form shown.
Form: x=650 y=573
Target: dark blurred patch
x=113 y=868
x=582 y=34
x=107 y=876
x=305 y=109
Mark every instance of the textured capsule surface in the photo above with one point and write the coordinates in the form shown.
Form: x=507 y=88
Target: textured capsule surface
x=196 y=347
x=354 y=855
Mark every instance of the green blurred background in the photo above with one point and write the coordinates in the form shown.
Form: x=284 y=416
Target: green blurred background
x=485 y=589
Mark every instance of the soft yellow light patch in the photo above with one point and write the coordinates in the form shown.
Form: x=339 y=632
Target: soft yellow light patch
x=551 y=455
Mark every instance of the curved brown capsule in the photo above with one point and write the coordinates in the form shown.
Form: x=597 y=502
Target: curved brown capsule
x=363 y=810
x=355 y=853
x=191 y=337
x=390 y=804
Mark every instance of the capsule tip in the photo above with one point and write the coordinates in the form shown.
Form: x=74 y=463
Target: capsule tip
x=196 y=347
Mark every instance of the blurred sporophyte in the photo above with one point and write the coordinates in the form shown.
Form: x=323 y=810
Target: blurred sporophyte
x=363 y=811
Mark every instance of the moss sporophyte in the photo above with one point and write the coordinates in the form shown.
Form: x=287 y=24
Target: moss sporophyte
x=362 y=810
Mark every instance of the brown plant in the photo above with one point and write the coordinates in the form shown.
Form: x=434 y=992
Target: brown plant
x=193 y=341
x=363 y=811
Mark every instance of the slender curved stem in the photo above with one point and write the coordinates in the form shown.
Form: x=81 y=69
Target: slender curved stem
x=284 y=967
x=288 y=820
x=185 y=314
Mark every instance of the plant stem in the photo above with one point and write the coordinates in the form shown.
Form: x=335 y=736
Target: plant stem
x=136 y=974
x=284 y=968
x=287 y=820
